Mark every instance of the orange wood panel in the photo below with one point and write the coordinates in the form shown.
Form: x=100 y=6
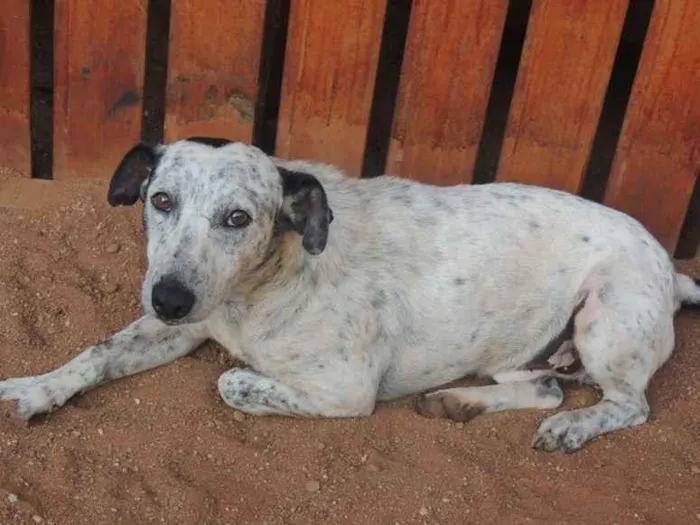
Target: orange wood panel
x=658 y=154
x=213 y=68
x=98 y=74
x=330 y=67
x=14 y=85
x=564 y=72
x=450 y=58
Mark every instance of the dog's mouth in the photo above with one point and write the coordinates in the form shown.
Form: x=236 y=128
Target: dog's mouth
x=190 y=319
x=182 y=321
x=172 y=322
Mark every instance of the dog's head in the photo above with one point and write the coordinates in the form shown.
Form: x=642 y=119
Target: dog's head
x=212 y=209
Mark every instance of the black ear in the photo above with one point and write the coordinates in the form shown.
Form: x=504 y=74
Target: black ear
x=305 y=209
x=131 y=174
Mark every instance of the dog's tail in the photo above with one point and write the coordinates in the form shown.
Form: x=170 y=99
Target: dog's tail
x=687 y=290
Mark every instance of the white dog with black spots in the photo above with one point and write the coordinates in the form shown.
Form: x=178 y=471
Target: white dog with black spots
x=341 y=292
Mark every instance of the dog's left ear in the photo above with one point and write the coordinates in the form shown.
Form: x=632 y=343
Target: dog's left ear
x=305 y=209
x=131 y=176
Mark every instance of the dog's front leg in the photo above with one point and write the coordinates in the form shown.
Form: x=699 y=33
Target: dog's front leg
x=145 y=344
x=255 y=394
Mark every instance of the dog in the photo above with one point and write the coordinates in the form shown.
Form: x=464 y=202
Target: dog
x=340 y=292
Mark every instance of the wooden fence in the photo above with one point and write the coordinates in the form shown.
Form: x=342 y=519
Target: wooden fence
x=600 y=98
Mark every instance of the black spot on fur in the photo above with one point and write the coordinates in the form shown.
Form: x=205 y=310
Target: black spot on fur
x=459 y=281
x=379 y=299
x=244 y=391
x=402 y=198
x=605 y=292
x=585 y=238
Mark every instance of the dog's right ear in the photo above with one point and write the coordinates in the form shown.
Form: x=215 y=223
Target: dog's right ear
x=132 y=175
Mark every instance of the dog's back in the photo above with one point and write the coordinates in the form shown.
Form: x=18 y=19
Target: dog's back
x=497 y=269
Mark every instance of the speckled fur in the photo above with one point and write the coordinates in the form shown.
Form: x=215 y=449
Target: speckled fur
x=417 y=286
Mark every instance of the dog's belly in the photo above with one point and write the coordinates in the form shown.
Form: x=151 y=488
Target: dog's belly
x=411 y=373
x=409 y=377
x=479 y=330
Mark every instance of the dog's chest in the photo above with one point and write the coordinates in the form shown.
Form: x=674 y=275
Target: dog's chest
x=226 y=331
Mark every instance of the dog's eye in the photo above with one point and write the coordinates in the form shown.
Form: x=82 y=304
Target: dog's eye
x=161 y=202
x=238 y=219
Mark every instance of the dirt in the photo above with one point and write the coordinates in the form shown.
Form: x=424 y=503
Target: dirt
x=161 y=447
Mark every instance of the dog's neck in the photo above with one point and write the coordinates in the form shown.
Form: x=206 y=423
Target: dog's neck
x=287 y=264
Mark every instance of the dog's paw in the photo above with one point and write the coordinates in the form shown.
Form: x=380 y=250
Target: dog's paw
x=564 y=431
x=446 y=405
x=32 y=395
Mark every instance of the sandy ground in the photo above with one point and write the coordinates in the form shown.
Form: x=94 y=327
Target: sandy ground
x=162 y=448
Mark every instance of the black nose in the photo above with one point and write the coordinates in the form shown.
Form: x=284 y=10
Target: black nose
x=170 y=299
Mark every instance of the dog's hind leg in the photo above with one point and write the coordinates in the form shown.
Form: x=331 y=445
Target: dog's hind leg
x=145 y=344
x=464 y=403
x=622 y=340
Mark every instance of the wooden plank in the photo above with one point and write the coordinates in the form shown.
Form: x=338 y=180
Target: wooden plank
x=330 y=67
x=658 y=154
x=689 y=237
x=213 y=68
x=98 y=74
x=448 y=68
x=14 y=85
x=567 y=60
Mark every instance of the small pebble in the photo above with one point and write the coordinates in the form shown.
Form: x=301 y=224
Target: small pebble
x=113 y=248
x=312 y=486
x=239 y=416
x=100 y=432
x=111 y=287
x=459 y=426
x=37 y=519
x=137 y=401
x=695 y=470
x=423 y=511
x=12 y=498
